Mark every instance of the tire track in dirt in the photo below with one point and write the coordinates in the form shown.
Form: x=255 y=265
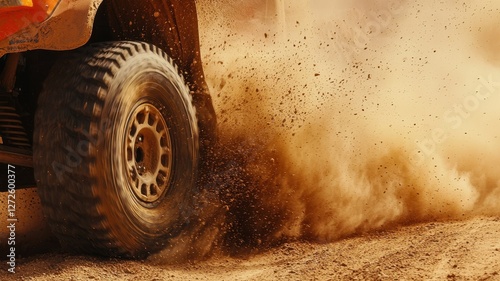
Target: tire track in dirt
x=439 y=251
x=468 y=253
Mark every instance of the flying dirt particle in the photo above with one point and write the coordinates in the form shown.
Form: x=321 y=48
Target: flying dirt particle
x=222 y=83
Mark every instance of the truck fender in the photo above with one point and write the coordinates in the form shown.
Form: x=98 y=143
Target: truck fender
x=69 y=27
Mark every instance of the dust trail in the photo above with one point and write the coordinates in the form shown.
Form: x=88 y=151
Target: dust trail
x=364 y=115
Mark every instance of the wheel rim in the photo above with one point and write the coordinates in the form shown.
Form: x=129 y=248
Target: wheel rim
x=149 y=153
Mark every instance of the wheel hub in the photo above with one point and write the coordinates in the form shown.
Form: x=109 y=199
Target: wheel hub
x=148 y=153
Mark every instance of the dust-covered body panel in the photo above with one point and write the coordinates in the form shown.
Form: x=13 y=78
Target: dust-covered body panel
x=45 y=24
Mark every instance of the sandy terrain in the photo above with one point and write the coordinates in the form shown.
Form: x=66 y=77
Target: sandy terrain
x=461 y=250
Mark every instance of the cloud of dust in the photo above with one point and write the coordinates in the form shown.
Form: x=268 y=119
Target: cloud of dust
x=353 y=116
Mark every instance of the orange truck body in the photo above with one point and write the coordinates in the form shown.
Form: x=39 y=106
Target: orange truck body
x=16 y=15
x=45 y=24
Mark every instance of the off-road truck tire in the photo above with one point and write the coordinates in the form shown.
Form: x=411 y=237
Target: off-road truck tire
x=116 y=150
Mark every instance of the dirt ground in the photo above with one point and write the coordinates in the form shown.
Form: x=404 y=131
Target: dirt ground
x=442 y=250
x=459 y=250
